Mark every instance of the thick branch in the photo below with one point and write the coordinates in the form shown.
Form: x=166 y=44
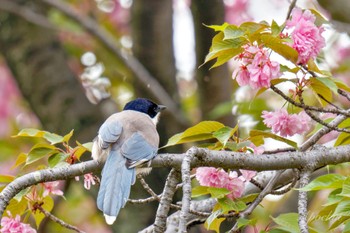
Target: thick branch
x=302 y=201
x=60 y=173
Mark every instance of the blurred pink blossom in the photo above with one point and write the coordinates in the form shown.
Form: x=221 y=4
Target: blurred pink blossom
x=307 y=37
x=287 y=124
x=216 y=177
x=257 y=69
x=88 y=181
x=257 y=149
x=51 y=188
x=236 y=11
x=14 y=225
x=247 y=175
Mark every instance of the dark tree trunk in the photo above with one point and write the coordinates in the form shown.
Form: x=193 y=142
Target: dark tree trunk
x=38 y=62
x=215 y=85
x=152 y=35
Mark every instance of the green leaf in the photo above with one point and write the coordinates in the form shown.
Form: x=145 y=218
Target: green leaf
x=320 y=89
x=233 y=32
x=58 y=158
x=252 y=27
x=21 y=159
x=278 y=46
x=6 y=178
x=212 y=222
x=345 y=189
x=223 y=50
x=320 y=19
x=39 y=151
x=50 y=137
x=48 y=205
x=218 y=192
x=342 y=139
x=334 y=198
x=242 y=222
x=341 y=85
x=329 y=181
x=22 y=193
x=287 y=222
x=218 y=28
x=257 y=135
x=228 y=204
x=68 y=136
x=17 y=207
x=275 y=28
x=329 y=83
x=202 y=131
x=313 y=67
x=199 y=191
x=224 y=134
x=337 y=223
x=343 y=209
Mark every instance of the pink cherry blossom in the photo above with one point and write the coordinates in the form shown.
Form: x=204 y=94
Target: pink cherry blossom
x=286 y=124
x=257 y=69
x=216 y=177
x=307 y=37
x=88 y=181
x=51 y=188
x=14 y=225
x=257 y=149
x=247 y=175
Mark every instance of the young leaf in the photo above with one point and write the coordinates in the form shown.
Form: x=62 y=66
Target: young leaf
x=320 y=89
x=58 y=158
x=218 y=192
x=224 y=134
x=287 y=222
x=343 y=209
x=39 y=151
x=17 y=207
x=329 y=181
x=256 y=135
x=233 y=32
x=6 y=178
x=21 y=159
x=199 y=191
x=218 y=28
x=48 y=205
x=67 y=137
x=213 y=222
x=278 y=46
x=50 y=137
x=275 y=29
x=228 y=204
x=202 y=131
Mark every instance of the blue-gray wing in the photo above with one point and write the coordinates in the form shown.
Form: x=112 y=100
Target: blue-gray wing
x=138 y=150
x=109 y=132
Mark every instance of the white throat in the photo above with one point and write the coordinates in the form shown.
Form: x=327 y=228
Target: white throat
x=155 y=118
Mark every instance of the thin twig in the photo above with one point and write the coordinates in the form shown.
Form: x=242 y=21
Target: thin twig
x=267 y=190
x=56 y=220
x=291 y=6
x=344 y=93
x=308 y=107
x=147 y=188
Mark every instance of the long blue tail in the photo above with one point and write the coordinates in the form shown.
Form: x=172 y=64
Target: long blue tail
x=115 y=186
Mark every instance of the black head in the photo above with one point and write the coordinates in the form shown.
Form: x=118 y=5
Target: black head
x=145 y=106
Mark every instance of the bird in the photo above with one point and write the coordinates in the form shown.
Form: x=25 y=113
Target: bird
x=125 y=141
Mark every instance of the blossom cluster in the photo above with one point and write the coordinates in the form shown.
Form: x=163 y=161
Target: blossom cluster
x=219 y=178
x=286 y=124
x=14 y=225
x=307 y=37
x=256 y=69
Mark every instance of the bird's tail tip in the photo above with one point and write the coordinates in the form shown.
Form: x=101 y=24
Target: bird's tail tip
x=110 y=219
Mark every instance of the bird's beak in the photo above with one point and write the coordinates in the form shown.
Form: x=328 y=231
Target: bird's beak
x=161 y=108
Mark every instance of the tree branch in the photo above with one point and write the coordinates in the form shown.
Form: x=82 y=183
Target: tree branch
x=302 y=201
x=167 y=197
x=186 y=188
